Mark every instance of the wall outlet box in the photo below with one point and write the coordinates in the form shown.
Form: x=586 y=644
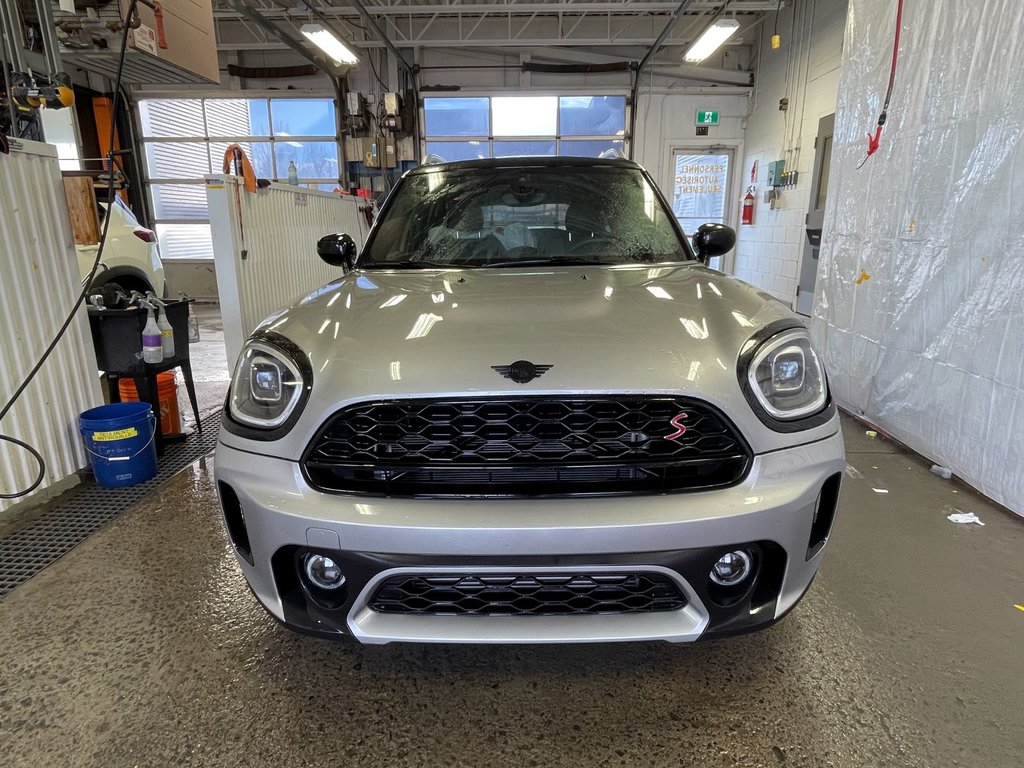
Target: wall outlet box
x=354 y=103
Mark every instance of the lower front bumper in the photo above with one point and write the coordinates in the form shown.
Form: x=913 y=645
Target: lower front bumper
x=770 y=513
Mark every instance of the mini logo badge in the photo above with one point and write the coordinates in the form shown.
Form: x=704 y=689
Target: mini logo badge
x=522 y=371
x=680 y=428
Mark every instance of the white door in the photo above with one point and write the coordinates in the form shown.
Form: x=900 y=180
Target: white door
x=701 y=188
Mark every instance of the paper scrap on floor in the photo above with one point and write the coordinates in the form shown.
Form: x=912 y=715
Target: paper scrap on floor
x=964 y=518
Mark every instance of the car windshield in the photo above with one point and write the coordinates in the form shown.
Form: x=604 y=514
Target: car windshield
x=524 y=216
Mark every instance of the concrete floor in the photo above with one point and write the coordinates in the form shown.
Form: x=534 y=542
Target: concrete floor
x=143 y=647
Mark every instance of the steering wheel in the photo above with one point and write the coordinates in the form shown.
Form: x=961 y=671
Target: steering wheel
x=591 y=247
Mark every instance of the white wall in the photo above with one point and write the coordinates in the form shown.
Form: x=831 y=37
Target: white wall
x=806 y=71
x=668 y=120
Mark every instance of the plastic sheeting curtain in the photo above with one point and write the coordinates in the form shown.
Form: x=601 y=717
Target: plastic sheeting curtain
x=920 y=304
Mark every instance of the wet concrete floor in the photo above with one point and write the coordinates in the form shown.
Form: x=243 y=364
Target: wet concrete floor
x=143 y=647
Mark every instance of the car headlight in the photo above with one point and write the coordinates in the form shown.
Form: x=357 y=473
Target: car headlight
x=267 y=386
x=786 y=376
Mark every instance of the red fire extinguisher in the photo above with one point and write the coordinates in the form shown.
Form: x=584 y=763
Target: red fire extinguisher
x=747 y=216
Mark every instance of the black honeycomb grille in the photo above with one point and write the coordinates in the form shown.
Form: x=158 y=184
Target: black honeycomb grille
x=526 y=446
x=541 y=594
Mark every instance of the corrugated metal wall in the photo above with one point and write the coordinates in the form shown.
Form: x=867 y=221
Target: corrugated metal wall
x=39 y=281
x=278 y=229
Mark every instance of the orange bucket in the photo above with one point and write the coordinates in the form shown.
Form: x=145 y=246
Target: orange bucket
x=167 y=395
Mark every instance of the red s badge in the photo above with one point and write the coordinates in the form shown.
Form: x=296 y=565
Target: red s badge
x=680 y=428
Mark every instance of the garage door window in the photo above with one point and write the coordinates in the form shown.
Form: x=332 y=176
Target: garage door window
x=511 y=126
x=185 y=140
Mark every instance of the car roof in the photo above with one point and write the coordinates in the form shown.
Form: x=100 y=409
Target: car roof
x=527 y=162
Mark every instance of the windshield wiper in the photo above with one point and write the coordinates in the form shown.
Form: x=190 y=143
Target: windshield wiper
x=406 y=264
x=553 y=261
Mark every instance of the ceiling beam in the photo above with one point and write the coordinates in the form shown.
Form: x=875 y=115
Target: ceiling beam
x=704 y=74
x=256 y=45
x=625 y=8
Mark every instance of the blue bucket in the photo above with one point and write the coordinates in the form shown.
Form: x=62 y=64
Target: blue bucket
x=119 y=438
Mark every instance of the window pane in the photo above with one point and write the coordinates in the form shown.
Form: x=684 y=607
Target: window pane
x=313 y=159
x=523 y=148
x=237 y=117
x=185 y=241
x=525 y=115
x=593 y=148
x=259 y=117
x=181 y=160
x=179 y=201
x=303 y=117
x=259 y=153
x=699 y=186
x=592 y=115
x=457 y=117
x=450 y=151
x=172 y=117
x=59 y=130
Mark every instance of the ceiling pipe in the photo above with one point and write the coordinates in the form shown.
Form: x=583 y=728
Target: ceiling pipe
x=635 y=91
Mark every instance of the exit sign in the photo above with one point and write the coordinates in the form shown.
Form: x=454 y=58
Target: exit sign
x=707 y=118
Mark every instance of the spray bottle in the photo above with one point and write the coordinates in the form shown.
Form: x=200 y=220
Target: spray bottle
x=152 y=341
x=166 y=331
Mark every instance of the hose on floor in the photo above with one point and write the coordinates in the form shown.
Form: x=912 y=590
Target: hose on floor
x=86 y=284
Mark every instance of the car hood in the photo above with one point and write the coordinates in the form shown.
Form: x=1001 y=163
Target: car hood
x=677 y=328
x=380 y=334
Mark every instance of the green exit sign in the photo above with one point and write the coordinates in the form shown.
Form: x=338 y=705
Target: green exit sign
x=707 y=118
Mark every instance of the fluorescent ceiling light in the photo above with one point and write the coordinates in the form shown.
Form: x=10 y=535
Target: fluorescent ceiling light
x=711 y=40
x=329 y=43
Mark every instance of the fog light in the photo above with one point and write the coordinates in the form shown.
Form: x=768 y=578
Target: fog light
x=323 y=572
x=731 y=569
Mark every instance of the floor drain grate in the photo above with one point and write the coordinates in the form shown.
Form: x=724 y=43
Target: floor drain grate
x=26 y=552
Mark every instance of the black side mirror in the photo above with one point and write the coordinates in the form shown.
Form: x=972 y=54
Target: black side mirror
x=338 y=250
x=713 y=240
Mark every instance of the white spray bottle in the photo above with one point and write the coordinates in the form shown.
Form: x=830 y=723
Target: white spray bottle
x=166 y=331
x=152 y=341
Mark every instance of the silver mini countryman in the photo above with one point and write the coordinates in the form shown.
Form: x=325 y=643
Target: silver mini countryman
x=527 y=412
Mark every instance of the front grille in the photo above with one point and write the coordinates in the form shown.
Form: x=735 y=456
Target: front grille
x=526 y=446
x=541 y=594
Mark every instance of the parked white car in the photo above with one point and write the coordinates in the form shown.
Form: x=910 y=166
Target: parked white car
x=529 y=412
x=131 y=257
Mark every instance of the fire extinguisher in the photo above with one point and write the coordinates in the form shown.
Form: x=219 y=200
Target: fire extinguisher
x=747 y=216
